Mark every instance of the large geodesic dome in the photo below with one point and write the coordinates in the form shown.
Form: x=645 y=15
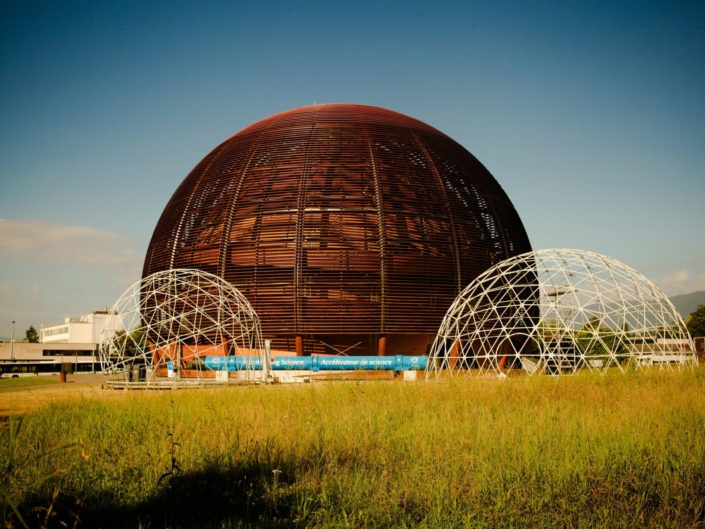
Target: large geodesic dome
x=557 y=311
x=175 y=323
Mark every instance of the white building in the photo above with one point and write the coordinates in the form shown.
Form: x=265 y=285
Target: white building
x=86 y=328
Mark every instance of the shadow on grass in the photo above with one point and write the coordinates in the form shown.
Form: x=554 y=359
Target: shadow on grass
x=256 y=495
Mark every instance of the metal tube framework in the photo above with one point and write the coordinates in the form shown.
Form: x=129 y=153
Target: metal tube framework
x=558 y=311
x=171 y=321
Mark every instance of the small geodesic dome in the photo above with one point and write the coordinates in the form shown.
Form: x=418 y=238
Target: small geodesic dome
x=556 y=311
x=178 y=324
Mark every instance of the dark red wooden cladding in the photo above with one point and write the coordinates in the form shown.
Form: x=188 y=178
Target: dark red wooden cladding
x=340 y=220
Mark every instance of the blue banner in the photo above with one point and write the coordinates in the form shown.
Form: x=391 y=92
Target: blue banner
x=318 y=363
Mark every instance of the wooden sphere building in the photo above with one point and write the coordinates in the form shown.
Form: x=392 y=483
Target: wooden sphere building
x=347 y=227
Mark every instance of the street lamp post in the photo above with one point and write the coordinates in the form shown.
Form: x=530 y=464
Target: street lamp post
x=12 y=343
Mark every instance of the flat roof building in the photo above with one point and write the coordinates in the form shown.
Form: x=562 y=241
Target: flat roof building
x=86 y=328
x=36 y=358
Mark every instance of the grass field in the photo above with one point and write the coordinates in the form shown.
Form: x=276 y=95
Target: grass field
x=582 y=451
x=23 y=382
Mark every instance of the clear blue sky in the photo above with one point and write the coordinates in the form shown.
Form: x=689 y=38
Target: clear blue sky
x=590 y=115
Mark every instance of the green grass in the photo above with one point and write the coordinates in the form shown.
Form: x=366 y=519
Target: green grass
x=23 y=382
x=583 y=451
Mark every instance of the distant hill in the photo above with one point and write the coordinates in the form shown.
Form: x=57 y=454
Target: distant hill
x=687 y=303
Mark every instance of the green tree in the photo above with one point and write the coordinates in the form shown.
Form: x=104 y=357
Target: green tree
x=31 y=335
x=597 y=339
x=696 y=321
x=131 y=344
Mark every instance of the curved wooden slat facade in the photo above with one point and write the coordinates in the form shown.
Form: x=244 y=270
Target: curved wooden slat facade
x=340 y=223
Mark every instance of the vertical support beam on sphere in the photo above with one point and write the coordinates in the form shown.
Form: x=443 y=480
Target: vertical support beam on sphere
x=381 y=234
x=299 y=242
x=225 y=236
x=187 y=210
x=177 y=364
x=382 y=345
x=266 y=364
x=449 y=210
x=453 y=354
x=299 y=345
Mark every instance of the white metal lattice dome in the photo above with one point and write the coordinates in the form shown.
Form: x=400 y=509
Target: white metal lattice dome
x=173 y=320
x=557 y=311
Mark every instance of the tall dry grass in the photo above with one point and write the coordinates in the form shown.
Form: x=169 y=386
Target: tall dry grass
x=582 y=451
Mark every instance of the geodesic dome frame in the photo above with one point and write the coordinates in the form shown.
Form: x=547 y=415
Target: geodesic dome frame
x=173 y=323
x=557 y=311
